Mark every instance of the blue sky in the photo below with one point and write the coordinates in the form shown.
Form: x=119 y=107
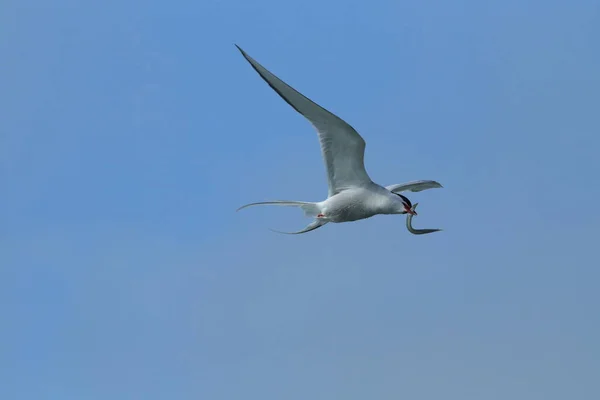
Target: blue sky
x=130 y=132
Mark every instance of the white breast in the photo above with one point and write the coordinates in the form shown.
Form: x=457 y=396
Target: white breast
x=358 y=203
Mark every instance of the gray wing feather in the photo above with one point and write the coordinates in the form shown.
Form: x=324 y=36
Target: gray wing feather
x=414 y=186
x=342 y=147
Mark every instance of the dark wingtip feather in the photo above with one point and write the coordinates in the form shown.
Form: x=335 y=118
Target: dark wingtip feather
x=241 y=51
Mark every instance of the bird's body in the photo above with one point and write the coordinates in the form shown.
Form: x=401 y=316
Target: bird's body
x=359 y=203
x=352 y=194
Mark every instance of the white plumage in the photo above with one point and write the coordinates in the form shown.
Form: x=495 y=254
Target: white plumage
x=352 y=194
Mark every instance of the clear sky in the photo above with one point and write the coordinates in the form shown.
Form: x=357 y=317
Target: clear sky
x=130 y=131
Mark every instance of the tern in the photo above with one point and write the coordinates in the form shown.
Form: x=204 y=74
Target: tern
x=352 y=194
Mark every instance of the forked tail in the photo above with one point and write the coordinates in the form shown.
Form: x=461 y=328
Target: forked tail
x=317 y=223
x=310 y=209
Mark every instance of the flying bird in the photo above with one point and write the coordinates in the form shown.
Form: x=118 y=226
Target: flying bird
x=352 y=194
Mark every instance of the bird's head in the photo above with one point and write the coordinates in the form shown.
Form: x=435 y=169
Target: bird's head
x=407 y=207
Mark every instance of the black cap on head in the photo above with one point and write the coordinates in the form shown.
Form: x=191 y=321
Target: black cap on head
x=406 y=200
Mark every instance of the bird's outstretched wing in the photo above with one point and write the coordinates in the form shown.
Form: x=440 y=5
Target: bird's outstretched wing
x=342 y=147
x=414 y=186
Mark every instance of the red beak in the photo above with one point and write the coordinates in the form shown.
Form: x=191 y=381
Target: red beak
x=408 y=210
